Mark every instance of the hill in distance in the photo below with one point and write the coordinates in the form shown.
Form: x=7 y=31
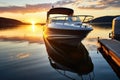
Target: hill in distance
x=103 y=21
x=13 y=22
x=8 y=21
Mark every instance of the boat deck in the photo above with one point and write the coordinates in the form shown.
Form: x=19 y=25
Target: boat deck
x=112 y=48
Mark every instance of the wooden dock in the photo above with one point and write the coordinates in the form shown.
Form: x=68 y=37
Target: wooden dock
x=111 y=47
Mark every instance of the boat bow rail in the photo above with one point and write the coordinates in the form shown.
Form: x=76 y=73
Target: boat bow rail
x=76 y=20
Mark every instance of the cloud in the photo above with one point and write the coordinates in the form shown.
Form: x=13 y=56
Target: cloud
x=90 y=4
x=64 y=2
x=82 y=4
x=26 y=9
x=96 y=4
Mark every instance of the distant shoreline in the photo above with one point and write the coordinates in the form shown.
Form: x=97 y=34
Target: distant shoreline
x=100 y=21
x=102 y=24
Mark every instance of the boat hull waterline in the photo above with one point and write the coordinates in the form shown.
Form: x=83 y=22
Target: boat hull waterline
x=64 y=33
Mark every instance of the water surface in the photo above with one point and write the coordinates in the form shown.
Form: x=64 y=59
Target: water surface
x=24 y=56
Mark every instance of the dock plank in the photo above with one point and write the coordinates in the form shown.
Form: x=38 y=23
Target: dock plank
x=113 y=45
x=113 y=48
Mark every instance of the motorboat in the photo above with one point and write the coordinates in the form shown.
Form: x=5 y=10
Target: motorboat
x=67 y=25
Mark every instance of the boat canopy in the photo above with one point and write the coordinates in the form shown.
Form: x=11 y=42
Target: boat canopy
x=60 y=10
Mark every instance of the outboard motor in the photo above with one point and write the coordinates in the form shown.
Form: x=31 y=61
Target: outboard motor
x=115 y=34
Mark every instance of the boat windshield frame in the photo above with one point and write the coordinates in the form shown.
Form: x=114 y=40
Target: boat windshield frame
x=74 y=18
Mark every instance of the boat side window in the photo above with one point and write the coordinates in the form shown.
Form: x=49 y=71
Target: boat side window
x=76 y=19
x=58 y=19
x=70 y=18
x=73 y=19
x=53 y=20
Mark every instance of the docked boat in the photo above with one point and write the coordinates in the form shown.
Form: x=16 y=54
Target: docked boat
x=115 y=34
x=67 y=25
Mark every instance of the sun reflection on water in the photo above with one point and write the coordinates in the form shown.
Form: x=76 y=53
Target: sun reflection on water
x=33 y=27
x=33 y=33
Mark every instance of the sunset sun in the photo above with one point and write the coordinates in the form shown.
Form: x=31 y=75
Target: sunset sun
x=33 y=22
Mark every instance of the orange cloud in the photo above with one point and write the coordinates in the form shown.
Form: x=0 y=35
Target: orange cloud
x=82 y=4
x=96 y=4
x=26 y=9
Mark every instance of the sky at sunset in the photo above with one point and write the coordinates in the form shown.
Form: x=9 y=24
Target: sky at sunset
x=35 y=10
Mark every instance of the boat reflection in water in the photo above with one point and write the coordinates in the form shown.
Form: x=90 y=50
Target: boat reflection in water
x=65 y=57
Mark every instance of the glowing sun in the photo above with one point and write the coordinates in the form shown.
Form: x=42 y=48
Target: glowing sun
x=33 y=22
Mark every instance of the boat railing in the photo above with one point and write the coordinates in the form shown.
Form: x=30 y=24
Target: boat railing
x=72 y=19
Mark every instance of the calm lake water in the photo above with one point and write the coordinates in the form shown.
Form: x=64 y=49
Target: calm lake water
x=24 y=56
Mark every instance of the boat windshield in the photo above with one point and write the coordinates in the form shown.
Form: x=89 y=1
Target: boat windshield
x=77 y=18
x=65 y=19
x=73 y=18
